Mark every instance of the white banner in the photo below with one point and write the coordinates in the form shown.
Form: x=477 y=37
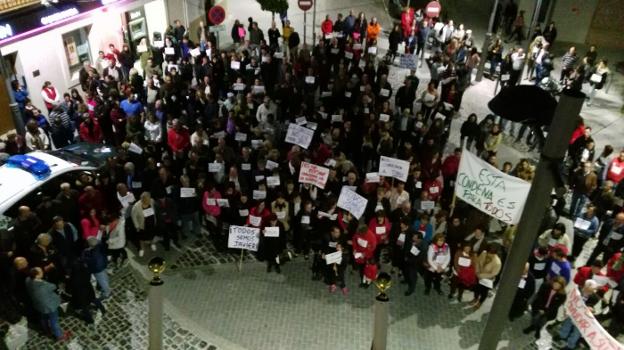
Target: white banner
x=392 y=167
x=242 y=237
x=299 y=135
x=591 y=330
x=351 y=201
x=313 y=174
x=490 y=190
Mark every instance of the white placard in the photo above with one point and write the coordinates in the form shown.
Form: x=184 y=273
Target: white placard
x=384 y=92
x=372 y=178
x=187 y=192
x=313 y=174
x=595 y=78
x=148 y=212
x=464 y=262
x=581 y=224
x=169 y=51
x=259 y=178
x=137 y=184
x=273 y=181
x=255 y=144
x=281 y=215
x=490 y=190
x=257 y=89
x=505 y=77
x=326 y=94
x=134 y=148
x=334 y=50
x=401 y=238
x=357 y=46
x=362 y=242
x=215 y=167
x=372 y=50
x=278 y=55
x=242 y=237
x=240 y=136
x=539 y=266
x=159 y=44
x=141 y=48
x=243 y=212
x=195 y=52
x=348 y=55
x=235 y=65
x=301 y=121
x=272 y=231
x=333 y=258
x=309 y=79
x=384 y=117
x=348 y=94
x=299 y=135
x=305 y=219
x=211 y=201
x=352 y=202
x=255 y=220
x=427 y=205
x=270 y=165
x=259 y=195
x=336 y=118
x=311 y=125
x=223 y=202
x=487 y=283
x=522 y=283
x=380 y=230
x=246 y=166
x=392 y=167
x=414 y=251
x=434 y=189
x=238 y=86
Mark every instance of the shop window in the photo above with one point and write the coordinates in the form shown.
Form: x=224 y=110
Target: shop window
x=76 y=44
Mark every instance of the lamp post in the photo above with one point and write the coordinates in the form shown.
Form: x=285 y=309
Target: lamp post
x=155 y=302
x=380 y=327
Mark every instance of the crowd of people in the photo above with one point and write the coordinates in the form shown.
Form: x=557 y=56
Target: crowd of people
x=199 y=140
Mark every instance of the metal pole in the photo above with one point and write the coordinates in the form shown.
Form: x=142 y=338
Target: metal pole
x=314 y=22
x=539 y=197
x=486 y=42
x=155 y=304
x=380 y=328
x=305 y=26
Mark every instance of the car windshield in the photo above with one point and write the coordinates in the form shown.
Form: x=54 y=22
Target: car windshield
x=85 y=154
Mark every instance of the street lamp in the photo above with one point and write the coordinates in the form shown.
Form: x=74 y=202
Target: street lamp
x=380 y=327
x=156 y=266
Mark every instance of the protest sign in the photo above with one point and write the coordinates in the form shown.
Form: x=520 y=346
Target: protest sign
x=408 y=61
x=372 y=178
x=272 y=231
x=591 y=330
x=490 y=190
x=352 y=202
x=392 y=167
x=313 y=174
x=299 y=135
x=333 y=258
x=242 y=237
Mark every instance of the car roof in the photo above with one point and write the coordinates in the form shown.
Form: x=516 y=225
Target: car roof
x=14 y=181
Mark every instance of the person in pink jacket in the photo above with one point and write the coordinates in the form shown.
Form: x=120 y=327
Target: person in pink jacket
x=211 y=207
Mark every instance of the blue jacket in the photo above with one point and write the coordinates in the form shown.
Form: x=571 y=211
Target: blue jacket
x=428 y=234
x=95 y=258
x=559 y=268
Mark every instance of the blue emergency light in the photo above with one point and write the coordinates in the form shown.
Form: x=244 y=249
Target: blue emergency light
x=33 y=165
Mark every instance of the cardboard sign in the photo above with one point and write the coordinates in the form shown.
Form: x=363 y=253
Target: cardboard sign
x=299 y=135
x=272 y=231
x=240 y=136
x=313 y=174
x=187 y=192
x=242 y=237
x=352 y=202
x=392 y=167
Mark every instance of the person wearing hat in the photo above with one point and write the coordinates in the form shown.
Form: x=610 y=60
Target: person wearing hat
x=569 y=335
x=273 y=242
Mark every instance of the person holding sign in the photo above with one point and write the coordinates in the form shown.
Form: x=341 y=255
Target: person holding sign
x=488 y=267
x=258 y=215
x=335 y=260
x=554 y=236
x=585 y=227
x=272 y=243
x=364 y=244
x=415 y=259
x=438 y=260
x=464 y=272
x=212 y=211
x=549 y=298
x=281 y=209
x=144 y=219
x=381 y=226
x=303 y=229
x=611 y=239
x=526 y=289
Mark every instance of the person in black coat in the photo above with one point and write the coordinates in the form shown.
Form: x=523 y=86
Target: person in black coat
x=470 y=131
x=81 y=290
x=550 y=297
x=525 y=291
x=273 y=246
x=303 y=228
x=334 y=273
x=415 y=253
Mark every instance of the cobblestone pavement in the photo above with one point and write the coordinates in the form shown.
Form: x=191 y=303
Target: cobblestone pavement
x=124 y=326
x=259 y=311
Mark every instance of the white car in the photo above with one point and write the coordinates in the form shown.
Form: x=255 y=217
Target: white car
x=20 y=187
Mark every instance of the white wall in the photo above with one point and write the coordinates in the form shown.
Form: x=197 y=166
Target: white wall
x=573 y=26
x=155 y=16
x=45 y=52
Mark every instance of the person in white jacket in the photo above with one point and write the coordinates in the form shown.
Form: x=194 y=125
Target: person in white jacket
x=116 y=230
x=438 y=261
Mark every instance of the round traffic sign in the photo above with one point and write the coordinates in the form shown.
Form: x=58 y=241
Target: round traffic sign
x=433 y=9
x=305 y=5
x=216 y=15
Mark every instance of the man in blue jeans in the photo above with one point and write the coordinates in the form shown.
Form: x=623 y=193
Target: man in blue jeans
x=583 y=182
x=46 y=302
x=569 y=335
x=94 y=257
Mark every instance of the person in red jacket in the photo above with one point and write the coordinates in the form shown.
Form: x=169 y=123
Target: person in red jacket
x=178 y=137
x=615 y=169
x=615 y=267
x=585 y=273
x=327 y=27
x=380 y=225
x=90 y=130
x=258 y=215
x=364 y=244
x=370 y=273
x=407 y=21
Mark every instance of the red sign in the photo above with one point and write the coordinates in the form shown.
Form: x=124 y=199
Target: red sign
x=216 y=15
x=433 y=9
x=305 y=5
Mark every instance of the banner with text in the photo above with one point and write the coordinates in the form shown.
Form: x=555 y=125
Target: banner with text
x=242 y=237
x=313 y=174
x=351 y=201
x=591 y=330
x=299 y=135
x=490 y=190
x=392 y=167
